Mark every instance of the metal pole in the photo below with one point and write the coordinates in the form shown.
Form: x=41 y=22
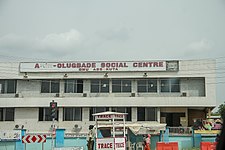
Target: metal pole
x=124 y=129
x=53 y=128
x=42 y=145
x=113 y=123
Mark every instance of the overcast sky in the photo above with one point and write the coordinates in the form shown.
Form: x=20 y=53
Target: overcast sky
x=113 y=30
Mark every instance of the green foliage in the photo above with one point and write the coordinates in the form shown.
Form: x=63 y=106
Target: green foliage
x=221 y=110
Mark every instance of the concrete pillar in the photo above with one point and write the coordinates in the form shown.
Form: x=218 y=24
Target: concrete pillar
x=166 y=136
x=134 y=114
x=59 y=140
x=158 y=115
x=60 y=117
x=19 y=144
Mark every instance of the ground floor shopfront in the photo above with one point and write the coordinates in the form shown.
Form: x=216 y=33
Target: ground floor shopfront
x=77 y=119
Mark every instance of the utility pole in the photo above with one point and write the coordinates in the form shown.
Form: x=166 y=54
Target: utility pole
x=53 y=106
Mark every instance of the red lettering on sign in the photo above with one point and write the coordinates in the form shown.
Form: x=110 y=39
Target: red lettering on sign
x=104 y=116
x=160 y=64
x=105 y=145
x=114 y=65
x=119 y=145
x=36 y=66
x=148 y=64
x=76 y=65
x=118 y=116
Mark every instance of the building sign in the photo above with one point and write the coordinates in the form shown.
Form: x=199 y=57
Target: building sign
x=105 y=143
x=10 y=135
x=110 y=116
x=98 y=66
x=111 y=144
x=120 y=143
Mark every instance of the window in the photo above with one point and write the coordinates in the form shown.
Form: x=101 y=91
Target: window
x=99 y=86
x=72 y=114
x=120 y=86
x=175 y=85
x=50 y=86
x=170 y=85
x=73 y=86
x=147 y=85
x=172 y=118
x=94 y=110
x=7 y=114
x=146 y=114
x=8 y=86
x=45 y=114
x=123 y=110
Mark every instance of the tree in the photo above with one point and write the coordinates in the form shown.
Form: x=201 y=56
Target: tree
x=221 y=110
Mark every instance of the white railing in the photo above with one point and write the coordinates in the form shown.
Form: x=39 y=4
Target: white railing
x=180 y=130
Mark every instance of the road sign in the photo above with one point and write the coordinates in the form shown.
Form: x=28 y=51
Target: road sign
x=34 y=139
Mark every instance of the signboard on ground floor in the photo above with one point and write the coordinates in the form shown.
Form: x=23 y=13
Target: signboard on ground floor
x=117 y=143
x=8 y=135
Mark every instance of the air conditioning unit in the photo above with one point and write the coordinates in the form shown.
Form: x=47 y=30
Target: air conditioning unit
x=77 y=128
x=17 y=126
x=184 y=94
x=132 y=94
x=57 y=95
x=17 y=95
x=84 y=94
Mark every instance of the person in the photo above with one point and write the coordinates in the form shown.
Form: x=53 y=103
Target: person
x=217 y=138
x=147 y=142
x=221 y=143
x=90 y=138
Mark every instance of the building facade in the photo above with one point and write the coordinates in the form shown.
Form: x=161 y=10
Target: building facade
x=174 y=92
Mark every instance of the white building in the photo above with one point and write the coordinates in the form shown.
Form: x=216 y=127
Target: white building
x=172 y=92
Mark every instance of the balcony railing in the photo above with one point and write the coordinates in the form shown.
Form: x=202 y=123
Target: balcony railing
x=180 y=130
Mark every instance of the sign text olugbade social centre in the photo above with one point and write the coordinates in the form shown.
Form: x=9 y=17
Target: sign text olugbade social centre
x=109 y=65
x=93 y=66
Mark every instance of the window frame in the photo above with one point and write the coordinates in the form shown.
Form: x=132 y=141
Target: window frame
x=97 y=86
x=94 y=110
x=8 y=86
x=143 y=114
x=121 y=86
x=169 y=86
x=146 y=85
x=127 y=110
x=48 y=86
x=72 y=116
x=77 y=85
x=7 y=114
x=44 y=114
